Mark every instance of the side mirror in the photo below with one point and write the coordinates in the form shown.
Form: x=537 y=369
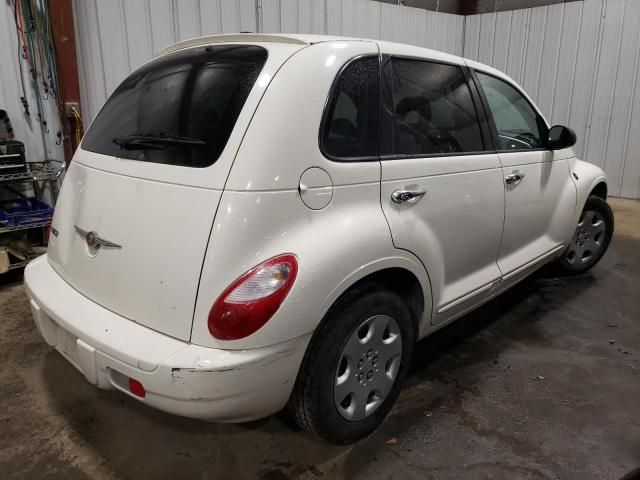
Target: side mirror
x=561 y=137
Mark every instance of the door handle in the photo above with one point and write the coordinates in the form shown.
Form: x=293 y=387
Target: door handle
x=514 y=178
x=401 y=196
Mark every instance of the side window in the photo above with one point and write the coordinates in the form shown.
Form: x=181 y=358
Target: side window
x=433 y=109
x=519 y=126
x=352 y=120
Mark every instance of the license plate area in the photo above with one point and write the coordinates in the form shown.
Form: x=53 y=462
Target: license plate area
x=68 y=346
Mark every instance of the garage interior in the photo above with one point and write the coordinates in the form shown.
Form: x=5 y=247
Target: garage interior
x=542 y=382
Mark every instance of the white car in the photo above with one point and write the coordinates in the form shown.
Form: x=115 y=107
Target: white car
x=255 y=222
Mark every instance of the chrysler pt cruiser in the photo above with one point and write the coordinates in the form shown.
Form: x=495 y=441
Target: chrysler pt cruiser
x=261 y=222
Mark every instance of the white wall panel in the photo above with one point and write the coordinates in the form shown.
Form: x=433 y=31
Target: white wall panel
x=567 y=60
x=501 y=50
x=579 y=62
x=605 y=79
x=187 y=19
x=209 y=17
x=138 y=30
x=550 y=55
x=270 y=16
x=311 y=16
x=583 y=82
x=517 y=43
x=230 y=16
x=533 y=51
x=626 y=79
x=162 y=29
x=38 y=143
x=333 y=12
x=471 y=36
x=289 y=16
x=115 y=38
x=487 y=37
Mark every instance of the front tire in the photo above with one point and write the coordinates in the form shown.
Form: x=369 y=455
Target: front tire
x=590 y=239
x=354 y=366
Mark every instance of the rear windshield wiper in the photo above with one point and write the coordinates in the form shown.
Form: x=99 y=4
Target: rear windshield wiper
x=155 y=142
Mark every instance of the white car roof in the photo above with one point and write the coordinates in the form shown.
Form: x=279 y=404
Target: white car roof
x=309 y=39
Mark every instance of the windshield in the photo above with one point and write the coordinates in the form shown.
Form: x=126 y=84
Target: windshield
x=179 y=109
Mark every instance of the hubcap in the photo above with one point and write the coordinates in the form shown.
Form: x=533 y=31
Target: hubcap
x=368 y=367
x=588 y=239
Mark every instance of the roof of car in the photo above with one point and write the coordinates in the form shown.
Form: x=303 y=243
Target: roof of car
x=288 y=38
x=296 y=39
x=310 y=39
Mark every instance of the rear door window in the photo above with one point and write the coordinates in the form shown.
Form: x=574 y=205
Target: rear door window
x=179 y=109
x=432 y=108
x=351 y=126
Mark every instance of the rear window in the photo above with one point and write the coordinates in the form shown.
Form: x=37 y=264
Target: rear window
x=179 y=109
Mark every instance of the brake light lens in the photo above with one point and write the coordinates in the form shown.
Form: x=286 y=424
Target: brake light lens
x=136 y=388
x=249 y=302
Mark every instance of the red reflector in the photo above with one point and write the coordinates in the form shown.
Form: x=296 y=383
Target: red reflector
x=136 y=388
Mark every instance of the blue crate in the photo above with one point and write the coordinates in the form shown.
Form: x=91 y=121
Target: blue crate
x=24 y=211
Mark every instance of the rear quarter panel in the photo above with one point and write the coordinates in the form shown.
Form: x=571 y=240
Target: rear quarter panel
x=335 y=247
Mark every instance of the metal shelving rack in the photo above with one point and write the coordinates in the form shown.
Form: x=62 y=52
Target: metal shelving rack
x=37 y=173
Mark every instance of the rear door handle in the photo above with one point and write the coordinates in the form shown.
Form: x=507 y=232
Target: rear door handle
x=514 y=178
x=401 y=196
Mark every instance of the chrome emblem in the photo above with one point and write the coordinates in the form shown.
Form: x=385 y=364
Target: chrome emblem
x=94 y=240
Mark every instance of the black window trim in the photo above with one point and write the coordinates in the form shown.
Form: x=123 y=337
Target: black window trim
x=327 y=104
x=488 y=129
x=487 y=138
x=481 y=109
x=492 y=125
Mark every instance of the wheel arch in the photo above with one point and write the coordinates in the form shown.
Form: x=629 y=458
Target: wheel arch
x=402 y=282
x=400 y=275
x=600 y=190
x=589 y=179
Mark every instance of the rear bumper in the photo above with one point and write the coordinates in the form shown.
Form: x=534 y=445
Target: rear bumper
x=180 y=378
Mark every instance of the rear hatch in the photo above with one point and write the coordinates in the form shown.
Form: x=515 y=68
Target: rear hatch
x=135 y=213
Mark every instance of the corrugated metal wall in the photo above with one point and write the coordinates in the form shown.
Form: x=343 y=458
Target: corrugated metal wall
x=579 y=62
x=38 y=143
x=115 y=36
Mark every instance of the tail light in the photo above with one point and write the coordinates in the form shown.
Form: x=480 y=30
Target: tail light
x=249 y=302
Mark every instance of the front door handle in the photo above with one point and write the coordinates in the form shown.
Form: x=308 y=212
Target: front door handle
x=401 y=196
x=514 y=178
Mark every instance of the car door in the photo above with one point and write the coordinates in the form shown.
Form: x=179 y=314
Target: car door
x=539 y=195
x=442 y=189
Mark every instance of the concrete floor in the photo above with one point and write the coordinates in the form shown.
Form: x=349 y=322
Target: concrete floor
x=541 y=383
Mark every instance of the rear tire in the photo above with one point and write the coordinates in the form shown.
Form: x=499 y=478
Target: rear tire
x=354 y=366
x=591 y=238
